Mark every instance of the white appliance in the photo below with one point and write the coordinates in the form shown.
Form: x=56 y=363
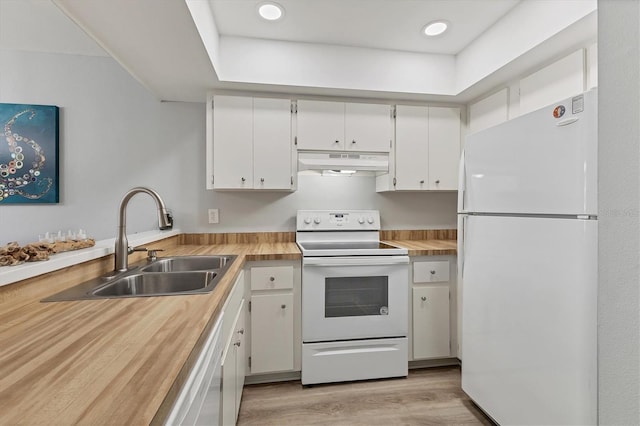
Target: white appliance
x=314 y=160
x=528 y=264
x=354 y=298
x=198 y=402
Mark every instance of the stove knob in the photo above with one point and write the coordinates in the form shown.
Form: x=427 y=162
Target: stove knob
x=307 y=220
x=316 y=220
x=370 y=219
x=361 y=220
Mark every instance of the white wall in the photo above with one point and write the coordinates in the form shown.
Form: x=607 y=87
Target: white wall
x=519 y=30
x=329 y=66
x=619 y=212
x=115 y=135
x=273 y=211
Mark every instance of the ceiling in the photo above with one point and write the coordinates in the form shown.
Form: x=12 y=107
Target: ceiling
x=349 y=48
x=377 y=24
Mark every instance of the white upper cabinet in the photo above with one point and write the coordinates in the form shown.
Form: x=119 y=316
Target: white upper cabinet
x=560 y=80
x=427 y=150
x=368 y=127
x=251 y=144
x=233 y=142
x=444 y=148
x=412 y=147
x=339 y=126
x=320 y=125
x=272 y=144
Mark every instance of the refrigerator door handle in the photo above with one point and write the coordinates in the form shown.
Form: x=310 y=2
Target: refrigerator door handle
x=462 y=226
x=462 y=175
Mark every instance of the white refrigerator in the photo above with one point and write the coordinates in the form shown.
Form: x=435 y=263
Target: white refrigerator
x=527 y=241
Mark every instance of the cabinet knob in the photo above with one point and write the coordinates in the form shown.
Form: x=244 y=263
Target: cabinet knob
x=438 y=181
x=337 y=142
x=242 y=179
x=422 y=181
x=241 y=331
x=424 y=298
x=262 y=180
x=432 y=272
x=237 y=343
x=283 y=306
x=353 y=141
x=272 y=279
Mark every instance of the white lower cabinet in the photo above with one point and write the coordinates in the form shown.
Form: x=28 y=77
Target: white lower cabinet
x=271 y=332
x=234 y=359
x=274 y=308
x=433 y=316
x=431 y=334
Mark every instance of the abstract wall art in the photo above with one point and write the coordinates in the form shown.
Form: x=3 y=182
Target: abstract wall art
x=29 y=154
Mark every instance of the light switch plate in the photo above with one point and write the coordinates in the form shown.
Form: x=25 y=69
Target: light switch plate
x=214 y=216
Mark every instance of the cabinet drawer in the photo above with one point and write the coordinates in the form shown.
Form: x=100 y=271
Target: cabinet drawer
x=272 y=277
x=430 y=272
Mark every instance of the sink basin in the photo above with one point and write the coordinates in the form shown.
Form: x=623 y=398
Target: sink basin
x=157 y=284
x=187 y=263
x=162 y=277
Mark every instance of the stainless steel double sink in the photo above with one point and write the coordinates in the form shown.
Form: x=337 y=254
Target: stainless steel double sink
x=162 y=277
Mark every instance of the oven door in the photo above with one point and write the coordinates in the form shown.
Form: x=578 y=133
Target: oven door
x=356 y=297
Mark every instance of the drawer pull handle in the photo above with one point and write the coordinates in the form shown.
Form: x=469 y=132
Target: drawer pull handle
x=237 y=343
x=262 y=180
x=283 y=306
x=243 y=179
x=433 y=272
x=424 y=298
x=241 y=331
x=438 y=181
x=422 y=181
x=272 y=279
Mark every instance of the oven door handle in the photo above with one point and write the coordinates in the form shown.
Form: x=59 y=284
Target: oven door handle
x=355 y=261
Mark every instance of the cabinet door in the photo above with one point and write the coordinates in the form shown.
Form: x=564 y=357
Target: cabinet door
x=320 y=125
x=272 y=143
x=431 y=322
x=412 y=147
x=241 y=358
x=444 y=148
x=367 y=127
x=232 y=142
x=271 y=332
x=229 y=390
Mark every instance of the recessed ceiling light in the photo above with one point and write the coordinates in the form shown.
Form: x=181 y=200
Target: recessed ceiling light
x=271 y=11
x=435 y=28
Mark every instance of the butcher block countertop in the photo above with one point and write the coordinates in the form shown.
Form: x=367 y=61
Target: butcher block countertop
x=109 y=361
x=116 y=361
x=426 y=247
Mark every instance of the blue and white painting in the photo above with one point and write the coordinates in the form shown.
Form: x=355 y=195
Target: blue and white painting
x=29 y=154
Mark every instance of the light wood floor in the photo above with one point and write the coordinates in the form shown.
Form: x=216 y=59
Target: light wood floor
x=427 y=397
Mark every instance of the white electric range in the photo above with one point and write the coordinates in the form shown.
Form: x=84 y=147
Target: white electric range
x=354 y=298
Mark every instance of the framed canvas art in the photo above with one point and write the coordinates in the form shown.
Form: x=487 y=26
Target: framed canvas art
x=29 y=154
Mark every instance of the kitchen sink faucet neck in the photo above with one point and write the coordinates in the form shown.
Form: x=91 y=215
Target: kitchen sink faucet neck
x=122 y=244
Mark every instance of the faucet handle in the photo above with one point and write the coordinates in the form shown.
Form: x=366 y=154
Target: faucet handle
x=131 y=249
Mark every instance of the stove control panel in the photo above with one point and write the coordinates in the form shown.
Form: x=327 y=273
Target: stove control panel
x=338 y=220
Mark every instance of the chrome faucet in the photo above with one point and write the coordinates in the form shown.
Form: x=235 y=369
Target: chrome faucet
x=122 y=249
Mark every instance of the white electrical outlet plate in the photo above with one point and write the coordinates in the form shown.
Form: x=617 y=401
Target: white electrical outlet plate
x=214 y=216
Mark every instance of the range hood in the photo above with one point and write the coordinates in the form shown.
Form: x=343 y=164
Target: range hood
x=356 y=161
